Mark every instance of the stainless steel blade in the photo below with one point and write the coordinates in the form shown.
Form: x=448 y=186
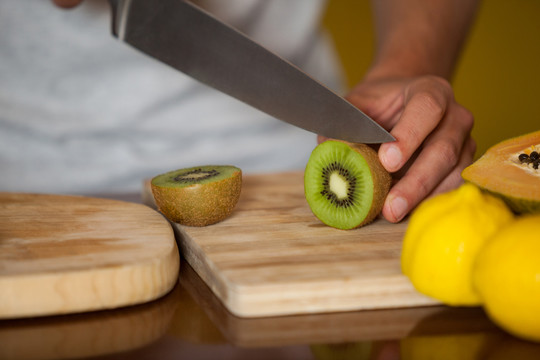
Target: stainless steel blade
x=189 y=39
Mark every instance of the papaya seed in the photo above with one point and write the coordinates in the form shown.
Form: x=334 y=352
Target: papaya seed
x=523 y=158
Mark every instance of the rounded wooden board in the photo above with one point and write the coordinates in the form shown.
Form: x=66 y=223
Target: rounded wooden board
x=64 y=254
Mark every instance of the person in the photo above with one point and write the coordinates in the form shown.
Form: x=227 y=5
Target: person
x=407 y=90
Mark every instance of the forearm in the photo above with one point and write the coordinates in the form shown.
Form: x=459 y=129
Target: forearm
x=420 y=37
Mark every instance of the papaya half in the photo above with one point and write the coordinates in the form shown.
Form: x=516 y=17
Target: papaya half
x=510 y=170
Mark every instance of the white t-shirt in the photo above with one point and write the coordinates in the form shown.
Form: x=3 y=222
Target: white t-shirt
x=81 y=112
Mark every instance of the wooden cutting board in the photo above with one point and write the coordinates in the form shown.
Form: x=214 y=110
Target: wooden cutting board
x=66 y=254
x=274 y=257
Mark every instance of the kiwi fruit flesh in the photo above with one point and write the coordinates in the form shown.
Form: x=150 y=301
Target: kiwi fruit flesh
x=198 y=196
x=345 y=184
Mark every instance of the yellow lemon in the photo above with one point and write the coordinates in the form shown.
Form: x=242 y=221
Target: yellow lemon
x=444 y=235
x=507 y=278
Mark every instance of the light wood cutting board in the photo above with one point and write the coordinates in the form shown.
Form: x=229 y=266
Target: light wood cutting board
x=274 y=257
x=66 y=254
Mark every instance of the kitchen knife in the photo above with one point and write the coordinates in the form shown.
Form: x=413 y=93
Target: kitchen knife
x=193 y=41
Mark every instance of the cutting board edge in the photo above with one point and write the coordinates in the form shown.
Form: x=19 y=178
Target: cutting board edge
x=242 y=313
x=105 y=280
x=257 y=301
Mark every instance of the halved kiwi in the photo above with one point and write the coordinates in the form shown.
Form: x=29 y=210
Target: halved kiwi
x=198 y=196
x=345 y=184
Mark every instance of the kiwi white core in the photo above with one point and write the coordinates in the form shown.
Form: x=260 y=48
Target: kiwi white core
x=338 y=185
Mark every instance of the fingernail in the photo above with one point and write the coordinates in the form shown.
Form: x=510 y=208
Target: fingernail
x=391 y=158
x=399 y=207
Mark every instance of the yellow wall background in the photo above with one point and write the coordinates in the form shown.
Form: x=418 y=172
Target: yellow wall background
x=498 y=77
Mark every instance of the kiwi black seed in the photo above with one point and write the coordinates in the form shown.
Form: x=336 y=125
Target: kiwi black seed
x=345 y=184
x=190 y=176
x=198 y=196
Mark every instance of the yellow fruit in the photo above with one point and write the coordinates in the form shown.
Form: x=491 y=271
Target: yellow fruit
x=507 y=278
x=462 y=346
x=444 y=235
x=502 y=173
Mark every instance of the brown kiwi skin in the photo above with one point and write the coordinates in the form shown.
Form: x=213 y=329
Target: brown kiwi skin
x=199 y=204
x=382 y=180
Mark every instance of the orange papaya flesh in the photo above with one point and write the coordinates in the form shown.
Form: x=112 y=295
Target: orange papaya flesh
x=501 y=172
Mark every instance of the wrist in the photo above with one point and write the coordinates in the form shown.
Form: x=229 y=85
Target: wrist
x=408 y=64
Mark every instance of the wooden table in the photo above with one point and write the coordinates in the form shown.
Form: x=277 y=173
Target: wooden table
x=192 y=323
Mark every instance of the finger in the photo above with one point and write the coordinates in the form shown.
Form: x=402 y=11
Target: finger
x=454 y=179
x=425 y=104
x=382 y=102
x=440 y=154
x=67 y=3
x=321 y=139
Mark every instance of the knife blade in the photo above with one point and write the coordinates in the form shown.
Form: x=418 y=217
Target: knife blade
x=191 y=40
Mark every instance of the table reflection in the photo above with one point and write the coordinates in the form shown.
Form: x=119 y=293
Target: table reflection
x=190 y=322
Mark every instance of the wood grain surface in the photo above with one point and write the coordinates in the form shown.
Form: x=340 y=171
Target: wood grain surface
x=66 y=254
x=273 y=257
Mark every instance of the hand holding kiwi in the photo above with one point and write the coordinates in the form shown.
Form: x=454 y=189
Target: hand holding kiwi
x=345 y=184
x=198 y=196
